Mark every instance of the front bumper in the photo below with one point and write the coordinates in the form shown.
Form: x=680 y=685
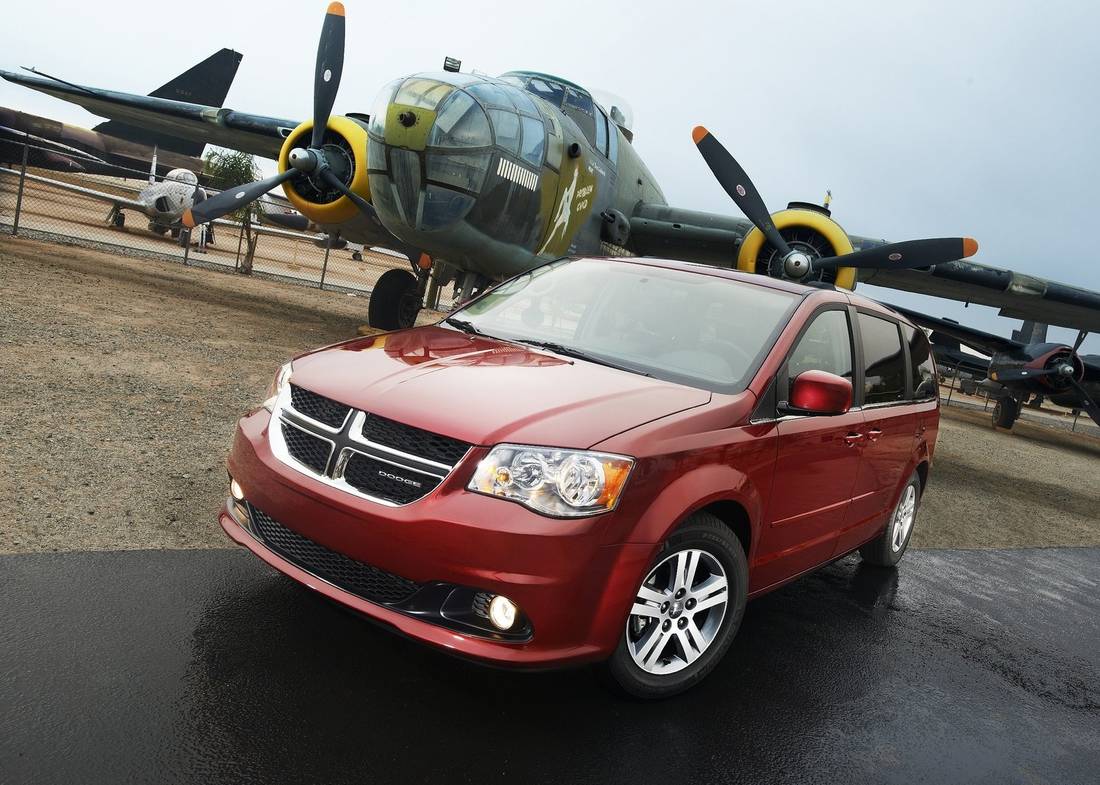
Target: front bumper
x=573 y=589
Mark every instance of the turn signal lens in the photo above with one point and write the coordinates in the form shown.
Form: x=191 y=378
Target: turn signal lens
x=562 y=483
x=502 y=612
x=235 y=489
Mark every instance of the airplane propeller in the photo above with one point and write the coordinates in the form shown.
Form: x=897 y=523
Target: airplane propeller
x=310 y=162
x=798 y=264
x=1065 y=370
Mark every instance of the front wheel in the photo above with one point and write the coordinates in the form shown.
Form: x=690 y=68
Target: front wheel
x=686 y=612
x=1005 y=412
x=394 y=303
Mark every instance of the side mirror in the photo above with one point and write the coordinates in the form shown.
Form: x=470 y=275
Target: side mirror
x=819 y=392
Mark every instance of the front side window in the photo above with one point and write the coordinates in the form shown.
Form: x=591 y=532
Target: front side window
x=921 y=363
x=578 y=107
x=601 y=131
x=825 y=346
x=686 y=327
x=883 y=360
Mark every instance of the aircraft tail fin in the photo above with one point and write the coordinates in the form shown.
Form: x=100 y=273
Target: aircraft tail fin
x=206 y=83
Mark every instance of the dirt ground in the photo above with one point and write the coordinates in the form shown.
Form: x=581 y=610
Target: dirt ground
x=121 y=380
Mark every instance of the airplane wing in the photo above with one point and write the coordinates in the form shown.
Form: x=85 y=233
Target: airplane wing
x=1014 y=294
x=986 y=343
x=255 y=134
x=115 y=199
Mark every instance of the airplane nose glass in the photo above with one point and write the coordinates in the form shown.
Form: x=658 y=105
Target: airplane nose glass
x=429 y=175
x=460 y=123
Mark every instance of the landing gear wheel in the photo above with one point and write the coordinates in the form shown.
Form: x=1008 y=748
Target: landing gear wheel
x=394 y=303
x=889 y=547
x=357 y=256
x=118 y=220
x=686 y=612
x=1005 y=412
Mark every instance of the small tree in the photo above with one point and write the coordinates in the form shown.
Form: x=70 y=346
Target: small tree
x=225 y=169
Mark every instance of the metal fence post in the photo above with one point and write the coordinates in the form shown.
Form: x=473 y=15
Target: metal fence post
x=951 y=389
x=22 y=180
x=324 y=265
x=240 y=241
x=185 y=235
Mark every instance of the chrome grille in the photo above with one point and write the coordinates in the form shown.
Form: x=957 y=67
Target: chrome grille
x=307 y=449
x=362 y=454
x=318 y=407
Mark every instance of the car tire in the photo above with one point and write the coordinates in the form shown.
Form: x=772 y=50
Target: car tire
x=669 y=668
x=393 y=301
x=887 y=549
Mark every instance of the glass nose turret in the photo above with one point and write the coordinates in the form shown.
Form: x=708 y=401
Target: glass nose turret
x=456 y=151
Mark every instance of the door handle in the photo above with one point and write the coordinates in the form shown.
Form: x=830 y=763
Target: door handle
x=873 y=434
x=853 y=438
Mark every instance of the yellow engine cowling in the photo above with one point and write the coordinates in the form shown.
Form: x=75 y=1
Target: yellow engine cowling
x=342 y=209
x=810 y=219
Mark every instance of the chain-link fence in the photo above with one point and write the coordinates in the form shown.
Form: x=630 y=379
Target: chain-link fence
x=103 y=211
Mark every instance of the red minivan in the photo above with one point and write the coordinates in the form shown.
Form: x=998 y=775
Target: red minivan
x=600 y=460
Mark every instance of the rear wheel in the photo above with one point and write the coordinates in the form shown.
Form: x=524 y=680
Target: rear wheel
x=889 y=547
x=685 y=614
x=394 y=303
x=1006 y=411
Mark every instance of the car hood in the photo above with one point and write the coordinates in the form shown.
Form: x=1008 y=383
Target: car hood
x=485 y=391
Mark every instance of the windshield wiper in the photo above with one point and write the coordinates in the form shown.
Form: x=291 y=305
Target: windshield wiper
x=462 y=324
x=580 y=354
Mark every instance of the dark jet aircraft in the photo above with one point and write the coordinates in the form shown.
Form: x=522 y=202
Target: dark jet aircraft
x=116 y=147
x=1020 y=370
x=494 y=176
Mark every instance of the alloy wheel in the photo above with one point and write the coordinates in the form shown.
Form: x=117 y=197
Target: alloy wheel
x=903 y=518
x=677 y=612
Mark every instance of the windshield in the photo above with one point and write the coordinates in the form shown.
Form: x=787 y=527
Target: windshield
x=686 y=327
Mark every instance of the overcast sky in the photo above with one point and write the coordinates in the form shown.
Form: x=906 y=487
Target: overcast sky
x=925 y=118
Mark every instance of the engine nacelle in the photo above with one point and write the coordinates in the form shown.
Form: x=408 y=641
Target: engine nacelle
x=809 y=230
x=345 y=146
x=1039 y=357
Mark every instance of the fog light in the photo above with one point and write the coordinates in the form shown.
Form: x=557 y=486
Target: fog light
x=235 y=489
x=502 y=612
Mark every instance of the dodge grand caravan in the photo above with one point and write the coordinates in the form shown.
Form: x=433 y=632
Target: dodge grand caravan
x=598 y=461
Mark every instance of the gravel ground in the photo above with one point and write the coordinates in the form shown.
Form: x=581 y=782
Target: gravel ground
x=121 y=380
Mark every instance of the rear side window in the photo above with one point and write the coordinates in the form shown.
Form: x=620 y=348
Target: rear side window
x=825 y=346
x=883 y=360
x=921 y=364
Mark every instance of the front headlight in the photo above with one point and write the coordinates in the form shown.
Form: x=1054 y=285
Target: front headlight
x=564 y=483
x=279 y=387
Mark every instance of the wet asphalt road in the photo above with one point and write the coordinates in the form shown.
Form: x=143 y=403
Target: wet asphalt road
x=205 y=666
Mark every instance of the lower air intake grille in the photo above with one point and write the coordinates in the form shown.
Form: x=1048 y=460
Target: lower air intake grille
x=386 y=481
x=362 y=580
x=313 y=451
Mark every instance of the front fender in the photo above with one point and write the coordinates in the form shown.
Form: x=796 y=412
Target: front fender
x=735 y=466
